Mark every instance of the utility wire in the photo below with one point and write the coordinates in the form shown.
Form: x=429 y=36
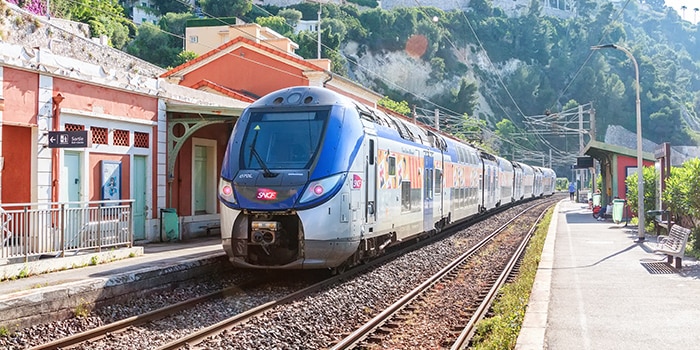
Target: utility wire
x=449 y=118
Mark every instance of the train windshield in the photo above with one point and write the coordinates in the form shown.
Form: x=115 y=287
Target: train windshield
x=282 y=140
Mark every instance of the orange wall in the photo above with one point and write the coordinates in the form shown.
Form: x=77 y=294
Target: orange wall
x=16 y=175
x=96 y=175
x=94 y=98
x=20 y=93
x=253 y=73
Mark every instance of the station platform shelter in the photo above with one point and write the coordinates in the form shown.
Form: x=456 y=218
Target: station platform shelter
x=616 y=163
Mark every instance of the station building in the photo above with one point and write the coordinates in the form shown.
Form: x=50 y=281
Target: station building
x=54 y=79
x=251 y=60
x=153 y=137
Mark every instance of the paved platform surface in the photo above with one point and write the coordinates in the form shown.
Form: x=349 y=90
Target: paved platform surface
x=53 y=295
x=152 y=255
x=596 y=288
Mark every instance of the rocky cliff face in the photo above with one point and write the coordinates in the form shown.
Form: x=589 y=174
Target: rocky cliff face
x=404 y=73
x=396 y=69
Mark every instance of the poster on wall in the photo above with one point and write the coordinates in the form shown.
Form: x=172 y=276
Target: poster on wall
x=111 y=180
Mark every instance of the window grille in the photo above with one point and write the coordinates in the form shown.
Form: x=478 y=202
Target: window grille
x=121 y=137
x=99 y=135
x=74 y=127
x=141 y=139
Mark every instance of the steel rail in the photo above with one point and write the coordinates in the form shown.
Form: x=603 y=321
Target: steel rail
x=368 y=328
x=202 y=334
x=468 y=331
x=121 y=325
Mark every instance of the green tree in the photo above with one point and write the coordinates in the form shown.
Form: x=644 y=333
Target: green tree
x=465 y=99
x=152 y=44
x=681 y=195
x=174 y=24
x=292 y=16
x=379 y=22
x=184 y=57
x=398 y=107
x=336 y=26
x=226 y=8
x=276 y=23
x=174 y=6
x=650 y=178
x=505 y=130
x=471 y=129
x=105 y=17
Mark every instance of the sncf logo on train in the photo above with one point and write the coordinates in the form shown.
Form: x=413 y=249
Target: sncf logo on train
x=266 y=194
x=356 y=181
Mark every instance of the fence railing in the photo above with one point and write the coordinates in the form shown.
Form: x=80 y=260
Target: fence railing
x=32 y=230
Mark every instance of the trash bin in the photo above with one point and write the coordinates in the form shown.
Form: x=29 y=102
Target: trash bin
x=618 y=210
x=596 y=200
x=169 y=224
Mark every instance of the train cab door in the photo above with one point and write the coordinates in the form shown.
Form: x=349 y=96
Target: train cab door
x=428 y=169
x=371 y=187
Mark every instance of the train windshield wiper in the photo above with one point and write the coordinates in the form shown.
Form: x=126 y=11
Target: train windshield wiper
x=254 y=152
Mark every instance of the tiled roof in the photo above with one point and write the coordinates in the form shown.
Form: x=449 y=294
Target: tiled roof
x=203 y=84
x=229 y=46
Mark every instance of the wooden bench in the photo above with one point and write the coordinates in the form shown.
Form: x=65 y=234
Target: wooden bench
x=673 y=245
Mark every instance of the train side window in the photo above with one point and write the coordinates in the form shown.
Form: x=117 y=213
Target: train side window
x=405 y=196
x=438 y=181
x=392 y=165
x=429 y=183
x=371 y=152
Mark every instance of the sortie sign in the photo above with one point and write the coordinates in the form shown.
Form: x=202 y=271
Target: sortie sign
x=68 y=139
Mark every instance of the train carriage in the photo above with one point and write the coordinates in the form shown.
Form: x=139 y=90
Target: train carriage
x=549 y=179
x=523 y=187
x=490 y=190
x=505 y=181
x=312 y=179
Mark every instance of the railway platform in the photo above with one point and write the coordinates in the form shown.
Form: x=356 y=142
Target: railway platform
x=42 y=296
x=596 y=288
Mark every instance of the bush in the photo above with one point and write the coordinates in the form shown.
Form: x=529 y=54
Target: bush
x=681 y=196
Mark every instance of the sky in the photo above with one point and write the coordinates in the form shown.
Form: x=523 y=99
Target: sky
x=690 y=15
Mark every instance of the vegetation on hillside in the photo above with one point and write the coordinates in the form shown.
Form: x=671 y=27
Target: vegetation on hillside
x=483 y=65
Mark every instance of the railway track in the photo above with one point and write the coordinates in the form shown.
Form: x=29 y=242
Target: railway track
x=98 y=333
x=236 y=320
x=199 y=336
x=397 y=326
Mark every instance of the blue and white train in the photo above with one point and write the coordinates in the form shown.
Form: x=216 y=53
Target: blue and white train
x=312 y=179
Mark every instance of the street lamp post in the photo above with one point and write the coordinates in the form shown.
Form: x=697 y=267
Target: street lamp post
x=640 y=174
x=318 y=32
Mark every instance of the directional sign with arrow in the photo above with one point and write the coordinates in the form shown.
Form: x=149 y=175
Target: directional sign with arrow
x=68 y=139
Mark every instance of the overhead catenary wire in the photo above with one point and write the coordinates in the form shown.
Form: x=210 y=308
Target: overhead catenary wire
x=420 y=97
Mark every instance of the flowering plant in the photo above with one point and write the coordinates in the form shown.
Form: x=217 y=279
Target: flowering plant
x=34 y=6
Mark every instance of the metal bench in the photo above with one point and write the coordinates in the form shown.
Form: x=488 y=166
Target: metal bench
x=673 y=245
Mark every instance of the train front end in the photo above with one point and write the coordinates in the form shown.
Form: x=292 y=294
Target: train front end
x=283 y=181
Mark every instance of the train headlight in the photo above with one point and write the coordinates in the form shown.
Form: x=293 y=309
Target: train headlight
x=317 y=189
x=226 y=191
